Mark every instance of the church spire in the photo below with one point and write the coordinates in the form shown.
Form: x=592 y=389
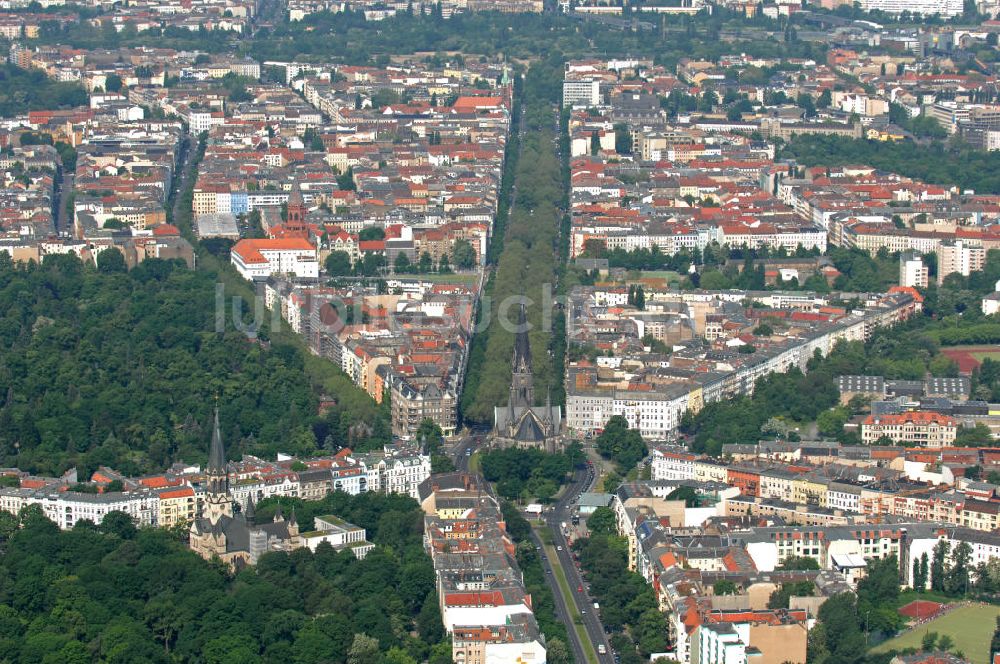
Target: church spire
x=522 y=348
x=216 y=453
x=217 y=501
x=522 y=394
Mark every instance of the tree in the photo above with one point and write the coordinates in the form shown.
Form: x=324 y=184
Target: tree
x=346 y=181
x=556 y=652
x=831 y=422
x=364 y=649
x=338 y=264
x=687 y=494
x=724 y=587
x=878 y=592
x=119 y=523
x=957 y=578
x=939 y=567
x=371 y=233
x=402 y=264
x=802 y=563
x=463 y=255
x=113 y=83
x=398 y=656
x=110 y=261
x=652 y=632
x=842 y=638
x=779 y=599
x=945 y=643
x=929 y=642
x=919 y=573
x=430 y=436
x=623 y=139
x=602 y=522
x=621 y=444
x=977 y=436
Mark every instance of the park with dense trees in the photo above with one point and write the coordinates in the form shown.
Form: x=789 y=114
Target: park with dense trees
x=23 y=90
x=116 y=368
x=938 y=162
x=112 y=593
x=530 y=473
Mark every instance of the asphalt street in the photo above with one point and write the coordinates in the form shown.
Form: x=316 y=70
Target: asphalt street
x=562 y=512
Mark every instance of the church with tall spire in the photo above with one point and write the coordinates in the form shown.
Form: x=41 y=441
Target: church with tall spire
x=222 y=530
x=522 y=422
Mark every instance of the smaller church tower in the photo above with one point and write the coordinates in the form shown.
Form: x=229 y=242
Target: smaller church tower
x=296 y=220
x=217 y=501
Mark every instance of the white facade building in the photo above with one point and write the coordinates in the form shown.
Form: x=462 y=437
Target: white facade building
x=946 y=8
x=263 y=258
x=912 y=271
x=581 y=92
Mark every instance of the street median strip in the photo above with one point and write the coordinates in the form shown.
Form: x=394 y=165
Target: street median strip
x=568 y=600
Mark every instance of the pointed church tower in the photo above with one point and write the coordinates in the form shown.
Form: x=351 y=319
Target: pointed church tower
x=522 y=390
x=217 y=500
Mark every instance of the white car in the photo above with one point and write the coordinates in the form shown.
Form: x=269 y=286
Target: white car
x=559 y=548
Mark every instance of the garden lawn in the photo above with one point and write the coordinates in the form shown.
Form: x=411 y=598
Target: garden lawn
x=971 y=627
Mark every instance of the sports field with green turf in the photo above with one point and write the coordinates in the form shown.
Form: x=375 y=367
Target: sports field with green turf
x=971 y=627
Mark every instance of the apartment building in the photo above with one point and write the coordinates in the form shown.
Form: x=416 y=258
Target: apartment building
x=961 y=257
x=259 y=259
x=923 y=429
x=912 y=271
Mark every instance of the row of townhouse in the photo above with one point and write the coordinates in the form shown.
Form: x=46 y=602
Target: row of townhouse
x=680 y=560
x=484 y=604
x=167 y=500
x=833 y=493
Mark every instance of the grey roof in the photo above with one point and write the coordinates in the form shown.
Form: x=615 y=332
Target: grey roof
x=529 y=431
x=588 y=499
x=874 y=384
